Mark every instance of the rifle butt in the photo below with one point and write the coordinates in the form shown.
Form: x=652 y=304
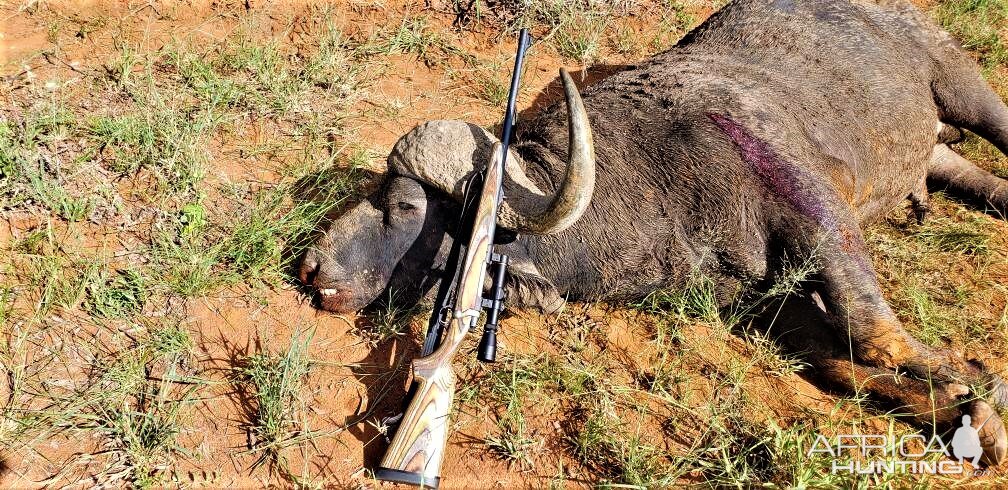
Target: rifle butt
x=417 y=448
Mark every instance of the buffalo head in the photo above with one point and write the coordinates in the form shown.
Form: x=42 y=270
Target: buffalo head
x=407 y=219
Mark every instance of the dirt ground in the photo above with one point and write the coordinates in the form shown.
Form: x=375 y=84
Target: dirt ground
x=111 y=384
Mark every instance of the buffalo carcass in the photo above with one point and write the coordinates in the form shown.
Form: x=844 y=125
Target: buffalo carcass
x=775 y=129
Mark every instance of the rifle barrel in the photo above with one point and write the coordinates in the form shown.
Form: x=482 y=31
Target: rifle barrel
x=417 y=447
x=510 y=113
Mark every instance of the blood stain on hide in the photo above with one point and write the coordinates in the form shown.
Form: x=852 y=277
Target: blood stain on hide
x=780 y=177
x=784 y=180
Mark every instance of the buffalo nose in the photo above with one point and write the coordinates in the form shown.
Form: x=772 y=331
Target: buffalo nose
x=309 y=267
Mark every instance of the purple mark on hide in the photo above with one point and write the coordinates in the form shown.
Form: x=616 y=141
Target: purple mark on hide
x=780 y=177
x=784 y=180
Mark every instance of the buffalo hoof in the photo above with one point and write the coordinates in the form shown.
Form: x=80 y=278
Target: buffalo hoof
x=998 y=392
x=992 y=433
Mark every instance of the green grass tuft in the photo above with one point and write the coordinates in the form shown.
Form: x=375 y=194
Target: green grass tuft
x=168 y=143
x=580 y=36
x=31 y=172
x=415 y=36
x=512 y=388
x=276 y=382
x=979 y=25
x=696 y=300
x=969 y=237
x=116 y=294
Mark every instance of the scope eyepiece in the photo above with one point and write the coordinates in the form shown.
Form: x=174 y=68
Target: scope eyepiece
x=494 y=303
x=487 y=351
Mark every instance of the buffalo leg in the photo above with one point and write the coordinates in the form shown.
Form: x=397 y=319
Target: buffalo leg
x=859 y=313
x=965 y=99
x=527 y=288
x=926 y=402
x=950 y=170
x=854 y=299
x=799 y=325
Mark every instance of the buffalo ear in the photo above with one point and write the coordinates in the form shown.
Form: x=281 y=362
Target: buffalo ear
x=504 y=236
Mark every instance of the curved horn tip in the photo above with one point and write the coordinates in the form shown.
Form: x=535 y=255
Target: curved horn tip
x=575 y=193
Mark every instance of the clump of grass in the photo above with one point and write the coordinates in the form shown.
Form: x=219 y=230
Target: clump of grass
x=577 y=29
x=599 y=439
x=513 y=386
x=967 y=237
x=983 y=153
x=675 y=20
x=147 y=438
x=59 y=280
x=276 y=382
x=170 y=341
x=167 y=142
x=589 y=441
x=10 y=156
x=934 y=323
x=261 y=68
x=162 y=139
x=335 y=65
x=116 y=294
x=513 y=447
x=625 y=40
x=979 y=26
x=937 y=306
x=189 y=266
x=30 y=170
x=729 y=444
x=792 y=274
x=206 y=82
x=55 y=197
x=256 y=236
x=580 y=36
x=731 y=450
x=121 y=67
x=593 y=407
x=489 y=85
x=666 y=374
x=696 y=300
x=245 y=73
x=414 y=36
x=133 y=399
x=390 y=319
x=782 y=457
x=36 y=241
x=185 y=253
x=140 y=412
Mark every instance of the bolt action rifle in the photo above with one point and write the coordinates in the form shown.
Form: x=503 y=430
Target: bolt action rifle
x=415 y=452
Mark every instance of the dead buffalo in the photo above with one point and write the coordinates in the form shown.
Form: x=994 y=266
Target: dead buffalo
x=777 y=128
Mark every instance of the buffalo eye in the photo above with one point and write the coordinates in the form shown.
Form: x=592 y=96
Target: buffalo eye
x=405 y=206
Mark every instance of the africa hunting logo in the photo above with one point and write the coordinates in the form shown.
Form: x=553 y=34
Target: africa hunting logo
x=890 y=454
